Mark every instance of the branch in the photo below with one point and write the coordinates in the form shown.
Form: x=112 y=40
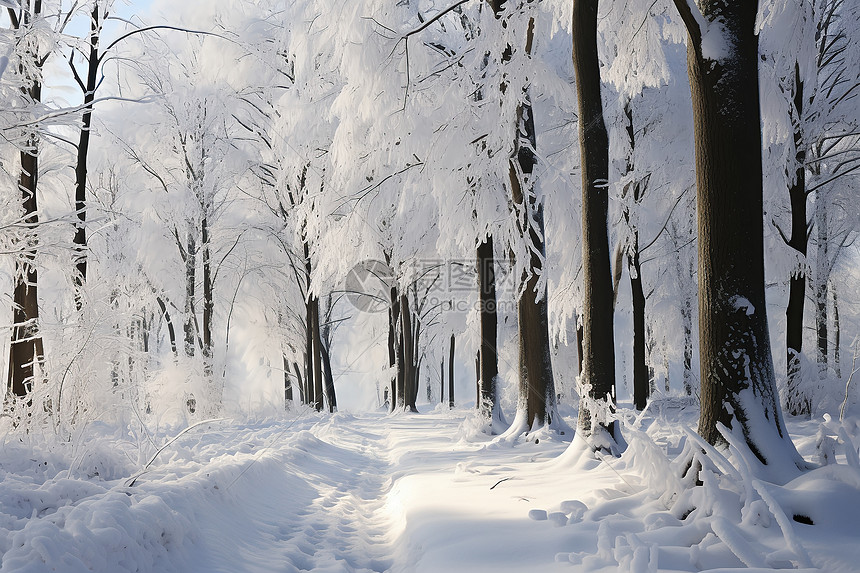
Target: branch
x=693 y=20
x=432 y=20
x=654 y=240
x=781 y=233
x=161 y=27
x=835 y=177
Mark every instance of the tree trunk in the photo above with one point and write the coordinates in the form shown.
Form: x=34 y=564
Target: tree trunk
x=80 y=238
x=641 y=383
x=190 y=282
x=442 y=381
x=687 y=325
x=641 y=379
x=299 y=384
x=208 y=300
x=738 y=386
x=408 y=346
x=822 y=276
x=451 y=374
x=171 y=332
x=288 y=384
x=26 y=349
x=308 y=394
x=478 y=379
x=488 y=365
x=598 y=344
x=836 y=334
x=330 y=396
x=797 y=404
x=317 y=353
x=400 y=385
x=536 y=385
x=393 y=314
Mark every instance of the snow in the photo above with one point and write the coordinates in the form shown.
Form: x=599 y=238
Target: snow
x=418 y=492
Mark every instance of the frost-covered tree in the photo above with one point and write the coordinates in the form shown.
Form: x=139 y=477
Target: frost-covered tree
x=810 y=96
x=738 y=386
x=598 y=343
x=33 y=41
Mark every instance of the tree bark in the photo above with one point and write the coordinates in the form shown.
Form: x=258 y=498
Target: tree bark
x=797 y=403
x=299 y=384
x=641 y=378
x=80 y=238
x=316 y=361
x=330 y=395
x=822 y=276
x=288 y=384
x=208 y=295
x=451 y=374
x=26 y=348
x=171 y=332
x=488 y=360
x=190 y=257
x=393 y=314
x=408 y=345
x=738 y=387
x=641 y=382
x=598 y=343
x=536 y=384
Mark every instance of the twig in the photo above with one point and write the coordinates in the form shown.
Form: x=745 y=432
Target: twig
x=130 y=482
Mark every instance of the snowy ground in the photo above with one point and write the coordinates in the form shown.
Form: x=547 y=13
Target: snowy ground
x=416 y=492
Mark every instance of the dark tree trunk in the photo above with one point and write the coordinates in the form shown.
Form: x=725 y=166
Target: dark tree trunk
x=641 y=378
x=836 y=334
x=316 y=362
x=393 y=314
x=26 y=348
x=478 y=379
x=738 y=387
x=598 y=344
x=641 y=382
x=399 y=400
x=488 y=360
x=288 y=383
x=190 y=282
x=89 y=88
x=208 y=294
x=580 y=337
x=687 y=325
x=330 y=396
x=416 y=359
x=442 y=381
x=797 y=403
x=536 y=385
x=308 y=394
x=408 y=346
x=822 y=275
x=451 y=374
x=299 y=384
x=171 y=332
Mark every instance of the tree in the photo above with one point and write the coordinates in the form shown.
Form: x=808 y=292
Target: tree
x=598 y=342
x=26 y=349
x=738 y=387
x=536 y=385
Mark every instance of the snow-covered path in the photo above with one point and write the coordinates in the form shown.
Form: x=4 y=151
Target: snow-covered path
x=421 y=493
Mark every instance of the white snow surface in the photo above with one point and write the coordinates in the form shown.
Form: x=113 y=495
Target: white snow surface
x=422 y=492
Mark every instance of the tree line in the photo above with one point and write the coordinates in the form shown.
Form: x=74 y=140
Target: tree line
x=556 y=143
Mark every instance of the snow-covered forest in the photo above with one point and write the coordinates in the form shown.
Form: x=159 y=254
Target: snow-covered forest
x=430 y=285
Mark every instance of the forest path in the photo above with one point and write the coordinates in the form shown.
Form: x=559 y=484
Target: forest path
x=309 y=500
